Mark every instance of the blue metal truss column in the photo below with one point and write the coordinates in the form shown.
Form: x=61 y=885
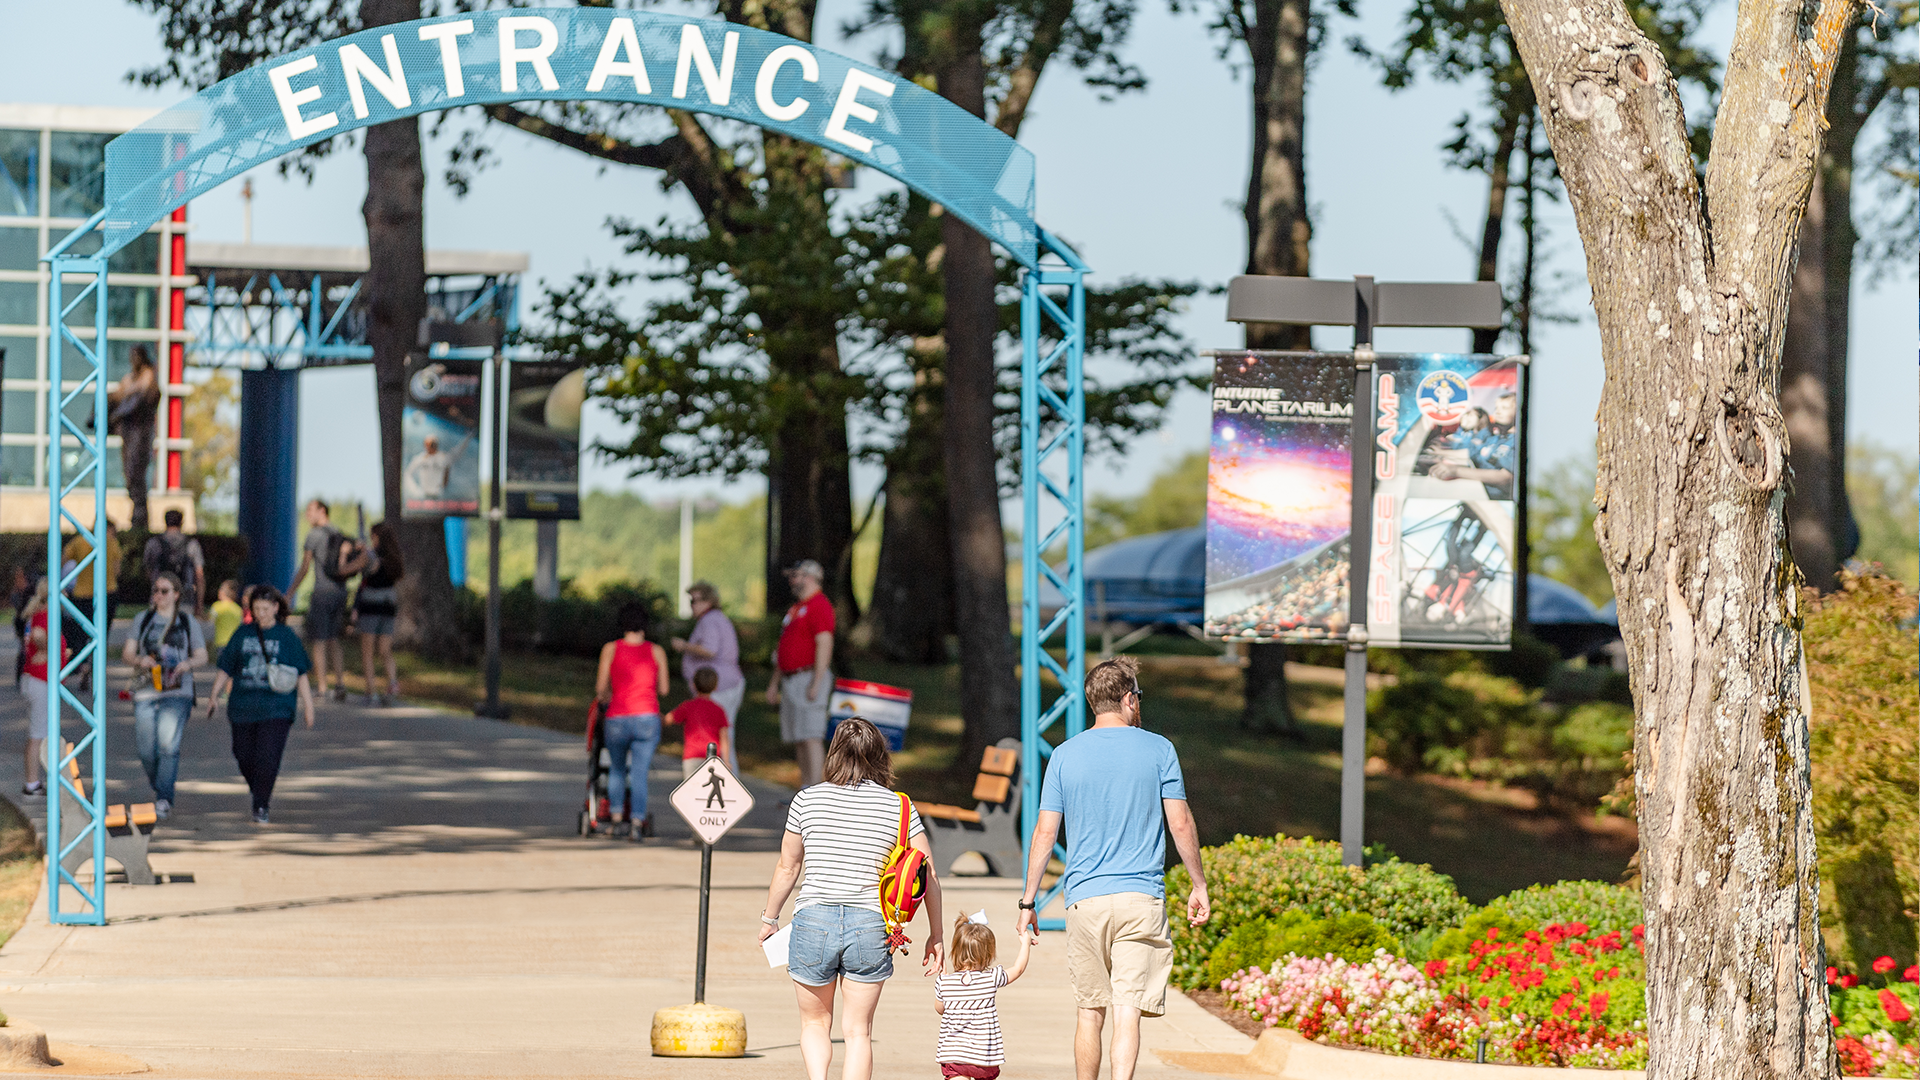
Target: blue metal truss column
x=1053 y=413
x=90 y=705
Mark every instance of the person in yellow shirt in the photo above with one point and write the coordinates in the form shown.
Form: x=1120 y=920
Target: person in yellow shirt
x=75 y=550
x=226 y=612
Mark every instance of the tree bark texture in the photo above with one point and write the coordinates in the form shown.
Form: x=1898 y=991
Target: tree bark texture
x=1813 y=391
x=912 y=606
x=989 y=694
x=1691 y=297
x=396 y=289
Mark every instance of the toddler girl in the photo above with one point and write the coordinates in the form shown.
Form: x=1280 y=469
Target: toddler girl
x=970 y=1043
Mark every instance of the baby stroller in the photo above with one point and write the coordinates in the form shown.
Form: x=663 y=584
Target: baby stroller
x=595 y=814
x=596 y=811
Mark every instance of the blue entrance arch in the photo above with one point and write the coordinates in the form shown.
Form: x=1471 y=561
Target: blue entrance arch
x=729 y=70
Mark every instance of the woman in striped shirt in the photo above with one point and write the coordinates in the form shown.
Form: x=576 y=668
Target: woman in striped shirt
x=842 y=832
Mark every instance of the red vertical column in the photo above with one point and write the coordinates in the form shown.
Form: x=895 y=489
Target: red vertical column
x=176 y=350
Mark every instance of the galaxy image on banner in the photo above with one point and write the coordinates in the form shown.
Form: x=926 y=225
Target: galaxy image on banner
x=1279 y=496
x=1440 y=566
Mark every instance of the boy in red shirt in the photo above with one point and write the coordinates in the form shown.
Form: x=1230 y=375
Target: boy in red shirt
x=702 y=721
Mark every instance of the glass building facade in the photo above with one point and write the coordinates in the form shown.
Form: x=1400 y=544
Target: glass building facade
x=52 y=178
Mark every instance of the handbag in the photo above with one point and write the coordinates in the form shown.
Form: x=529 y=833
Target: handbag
x=281 y=678
x=903 y=882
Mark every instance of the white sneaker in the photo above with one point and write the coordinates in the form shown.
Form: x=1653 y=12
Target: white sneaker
x=162 y=809
x=259 y=817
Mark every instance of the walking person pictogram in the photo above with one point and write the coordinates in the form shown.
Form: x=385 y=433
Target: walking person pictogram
x=716 y=790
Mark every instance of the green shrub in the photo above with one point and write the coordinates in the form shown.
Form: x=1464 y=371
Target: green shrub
x=1597 y=731
x=1352 y=937
x=1495 y=916
x=1256 y=879
x=574 y=623
x=1861 y=662
x=1601 y=906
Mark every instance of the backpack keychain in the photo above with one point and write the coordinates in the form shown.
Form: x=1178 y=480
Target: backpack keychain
x=903 y=883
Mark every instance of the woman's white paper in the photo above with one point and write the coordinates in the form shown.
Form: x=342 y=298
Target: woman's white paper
x=776 y=946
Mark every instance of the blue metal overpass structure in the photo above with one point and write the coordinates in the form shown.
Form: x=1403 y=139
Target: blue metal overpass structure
x=273 y=310
x=868 y=115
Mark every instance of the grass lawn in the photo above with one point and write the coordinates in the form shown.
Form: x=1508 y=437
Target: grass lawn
x=1490 y=839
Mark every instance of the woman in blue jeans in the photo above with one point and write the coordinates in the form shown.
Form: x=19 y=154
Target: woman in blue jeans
x=841 y=831
x=631 y=682
x=163 y=648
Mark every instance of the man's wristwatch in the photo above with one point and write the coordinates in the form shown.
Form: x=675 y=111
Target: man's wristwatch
x=1026 y=905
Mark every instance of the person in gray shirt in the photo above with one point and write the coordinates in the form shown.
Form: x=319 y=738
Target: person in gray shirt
x=327 y=605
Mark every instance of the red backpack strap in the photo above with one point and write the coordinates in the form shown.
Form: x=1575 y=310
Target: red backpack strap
x=906 y=822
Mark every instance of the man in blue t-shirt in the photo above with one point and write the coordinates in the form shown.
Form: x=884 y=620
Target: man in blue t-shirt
x=1118 y=791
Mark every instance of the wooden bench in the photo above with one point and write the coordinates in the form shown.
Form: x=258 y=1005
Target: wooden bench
x=992 y=827
x=128 y=828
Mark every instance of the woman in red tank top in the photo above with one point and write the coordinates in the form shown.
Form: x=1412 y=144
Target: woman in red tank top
x=632 y=680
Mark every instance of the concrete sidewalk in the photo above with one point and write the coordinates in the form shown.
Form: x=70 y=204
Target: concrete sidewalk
x=420 y=907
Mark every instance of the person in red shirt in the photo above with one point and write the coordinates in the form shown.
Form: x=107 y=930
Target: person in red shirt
x=34 y=681
x=702 y=720
x=800 y=683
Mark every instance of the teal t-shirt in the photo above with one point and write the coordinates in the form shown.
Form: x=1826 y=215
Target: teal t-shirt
x=246 y=664
x=1107 y=784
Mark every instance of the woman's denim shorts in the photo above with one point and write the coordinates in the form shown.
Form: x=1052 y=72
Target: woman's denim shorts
x=832 y=940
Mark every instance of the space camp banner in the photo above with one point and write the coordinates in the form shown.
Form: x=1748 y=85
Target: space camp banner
x=544 y=400
x=439 y=438
x=1279 y=498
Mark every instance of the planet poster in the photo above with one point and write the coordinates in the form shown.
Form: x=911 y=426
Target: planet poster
x=1440 y=557
x=544 y=401
x=1279 y=496
x=439 y=438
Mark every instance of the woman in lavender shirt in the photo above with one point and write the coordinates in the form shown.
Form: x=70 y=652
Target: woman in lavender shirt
x=714 y=644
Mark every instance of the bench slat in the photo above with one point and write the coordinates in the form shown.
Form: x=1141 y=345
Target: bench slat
x=947 y=813
x=999 y=761
x=991 y=789
x=144 y=814
x=116 y=817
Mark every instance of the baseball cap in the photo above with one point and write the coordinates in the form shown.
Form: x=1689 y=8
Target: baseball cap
x=807 y=566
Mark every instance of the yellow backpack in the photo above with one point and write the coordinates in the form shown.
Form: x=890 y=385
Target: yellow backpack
x=903 y=882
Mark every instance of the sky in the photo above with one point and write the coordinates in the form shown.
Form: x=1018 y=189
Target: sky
x=1146 y=185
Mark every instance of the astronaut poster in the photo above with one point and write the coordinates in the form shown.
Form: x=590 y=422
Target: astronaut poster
x=1439 y=562
x=439 y=438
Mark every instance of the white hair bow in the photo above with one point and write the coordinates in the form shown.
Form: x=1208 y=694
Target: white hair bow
x=978 y=918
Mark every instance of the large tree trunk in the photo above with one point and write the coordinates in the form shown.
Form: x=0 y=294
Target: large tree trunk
x=1278 y=242
x=396 y=288
x=1808 y=411
x=1691 y=296
x=912 y=608
x=810 y=497
x=989 y=694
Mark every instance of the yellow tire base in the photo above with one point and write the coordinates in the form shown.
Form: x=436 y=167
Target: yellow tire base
x=707 y=1031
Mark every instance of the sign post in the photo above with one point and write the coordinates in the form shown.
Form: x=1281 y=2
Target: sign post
x=1364 y=305
x=712 y=801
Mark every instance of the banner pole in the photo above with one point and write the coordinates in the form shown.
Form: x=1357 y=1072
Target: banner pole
x=1353 y=741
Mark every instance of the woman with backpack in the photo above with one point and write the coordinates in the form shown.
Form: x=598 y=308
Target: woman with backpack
x=267 y=667
x=165 y=645
x=376 y=604
x=848 y=834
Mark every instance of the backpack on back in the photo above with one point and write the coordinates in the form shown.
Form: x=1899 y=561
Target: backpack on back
x=903 y=882
x=339 y=549
x=176 y=558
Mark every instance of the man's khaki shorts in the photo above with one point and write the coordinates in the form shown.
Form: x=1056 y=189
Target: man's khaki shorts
x=1118 y=952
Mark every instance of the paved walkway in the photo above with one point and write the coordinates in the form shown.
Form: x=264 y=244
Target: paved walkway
x=420 y=907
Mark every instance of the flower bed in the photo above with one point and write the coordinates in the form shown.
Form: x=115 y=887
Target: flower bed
x=1873 y=1027
x=1556 y=997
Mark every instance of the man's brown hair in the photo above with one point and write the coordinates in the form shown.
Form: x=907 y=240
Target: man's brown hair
x=859 y=752
x=973 y=945
x=1110 y=681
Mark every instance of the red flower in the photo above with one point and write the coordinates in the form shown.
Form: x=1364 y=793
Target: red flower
x=1597 y=1004
x=1436 y=968
x=1506 y=1001
x=1896 y=1009
x=1855 y=1058
x=1912 y=974
x=1883 y=965
x=1849 y=981
x=1482 y=1002
x=1833 y=975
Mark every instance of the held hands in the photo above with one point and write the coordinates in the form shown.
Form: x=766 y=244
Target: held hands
x=1028 y=925
x=773 y=694
x=1199 y=905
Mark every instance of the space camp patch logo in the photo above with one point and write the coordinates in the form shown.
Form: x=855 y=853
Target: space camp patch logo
x=1443 y=397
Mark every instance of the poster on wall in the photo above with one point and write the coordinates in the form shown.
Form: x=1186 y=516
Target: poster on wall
x=439 y=438
x=544 y=401
x=1440 y=560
